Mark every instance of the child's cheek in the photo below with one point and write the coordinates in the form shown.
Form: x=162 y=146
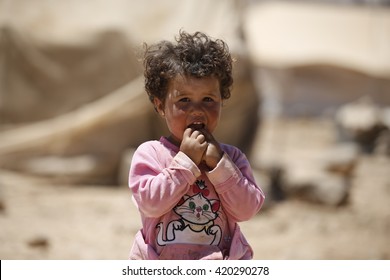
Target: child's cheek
x=214 y=109
x=181 y=108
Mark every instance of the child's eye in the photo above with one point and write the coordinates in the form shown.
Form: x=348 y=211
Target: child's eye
x=184 y=99
x=208 y=99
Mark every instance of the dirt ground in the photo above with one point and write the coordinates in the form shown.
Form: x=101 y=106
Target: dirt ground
x=45 y=221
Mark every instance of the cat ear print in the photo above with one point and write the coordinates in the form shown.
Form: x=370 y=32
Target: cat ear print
x=181 y=201
x=215 y=204
x=184 y=198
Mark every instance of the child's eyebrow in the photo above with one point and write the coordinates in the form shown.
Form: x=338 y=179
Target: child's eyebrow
x=178 y=93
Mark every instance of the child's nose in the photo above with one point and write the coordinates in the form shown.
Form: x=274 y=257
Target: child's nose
x=197 y=109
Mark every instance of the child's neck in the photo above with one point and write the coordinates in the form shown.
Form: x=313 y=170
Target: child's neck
x=172 y=140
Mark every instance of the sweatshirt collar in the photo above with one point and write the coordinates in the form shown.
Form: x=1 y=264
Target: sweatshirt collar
x=164 y=140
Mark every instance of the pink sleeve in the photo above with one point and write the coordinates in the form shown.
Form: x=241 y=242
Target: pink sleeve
x=234 y=182
x=157 y=189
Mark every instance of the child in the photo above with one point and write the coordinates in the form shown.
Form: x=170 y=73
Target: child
x=190 y=189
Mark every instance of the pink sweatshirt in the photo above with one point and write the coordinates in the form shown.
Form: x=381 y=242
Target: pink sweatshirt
x=187 y=213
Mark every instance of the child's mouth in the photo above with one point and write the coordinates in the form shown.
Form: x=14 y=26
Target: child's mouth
x=197 y=126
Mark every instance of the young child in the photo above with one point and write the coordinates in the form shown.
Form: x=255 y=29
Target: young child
x=190 y=189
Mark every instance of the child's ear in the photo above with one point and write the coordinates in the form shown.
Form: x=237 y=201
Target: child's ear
x=159 y=106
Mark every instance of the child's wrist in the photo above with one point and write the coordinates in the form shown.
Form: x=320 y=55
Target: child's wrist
x=213 y=162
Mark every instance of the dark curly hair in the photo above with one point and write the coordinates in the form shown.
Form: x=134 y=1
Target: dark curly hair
x=196 y=55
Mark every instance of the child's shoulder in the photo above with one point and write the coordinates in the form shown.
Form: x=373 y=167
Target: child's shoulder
x=156 y=145
x=151 y=144
x=229 y=147
x=231 y=150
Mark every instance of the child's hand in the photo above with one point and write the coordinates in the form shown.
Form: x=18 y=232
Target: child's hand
x=213 y=153
x=193 y=145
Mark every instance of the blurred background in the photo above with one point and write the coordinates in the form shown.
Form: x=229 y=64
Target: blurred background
x=310 y=107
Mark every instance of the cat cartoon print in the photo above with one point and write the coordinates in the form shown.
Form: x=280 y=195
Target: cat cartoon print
x=196 y=223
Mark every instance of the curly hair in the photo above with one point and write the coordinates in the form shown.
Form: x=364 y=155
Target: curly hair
x=196 y=55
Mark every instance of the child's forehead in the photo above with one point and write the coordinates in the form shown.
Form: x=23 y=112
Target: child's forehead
x=187 y=81
x=188 y=85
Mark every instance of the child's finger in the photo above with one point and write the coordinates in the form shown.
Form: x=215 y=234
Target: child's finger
x=201 y=138
x=196 y=133
x=187 y=133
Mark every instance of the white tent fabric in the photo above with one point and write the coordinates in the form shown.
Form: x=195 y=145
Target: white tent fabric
x=285 y=34
x=71 y=79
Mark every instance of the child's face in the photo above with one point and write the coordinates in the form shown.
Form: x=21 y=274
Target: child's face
x=191 y=102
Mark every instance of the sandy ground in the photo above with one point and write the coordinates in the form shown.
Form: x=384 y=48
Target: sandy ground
x=46 y=221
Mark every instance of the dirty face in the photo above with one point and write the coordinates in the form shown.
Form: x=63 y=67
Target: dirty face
x=190 y=103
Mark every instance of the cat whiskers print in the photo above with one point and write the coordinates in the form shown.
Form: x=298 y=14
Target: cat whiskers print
x=196 y=223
